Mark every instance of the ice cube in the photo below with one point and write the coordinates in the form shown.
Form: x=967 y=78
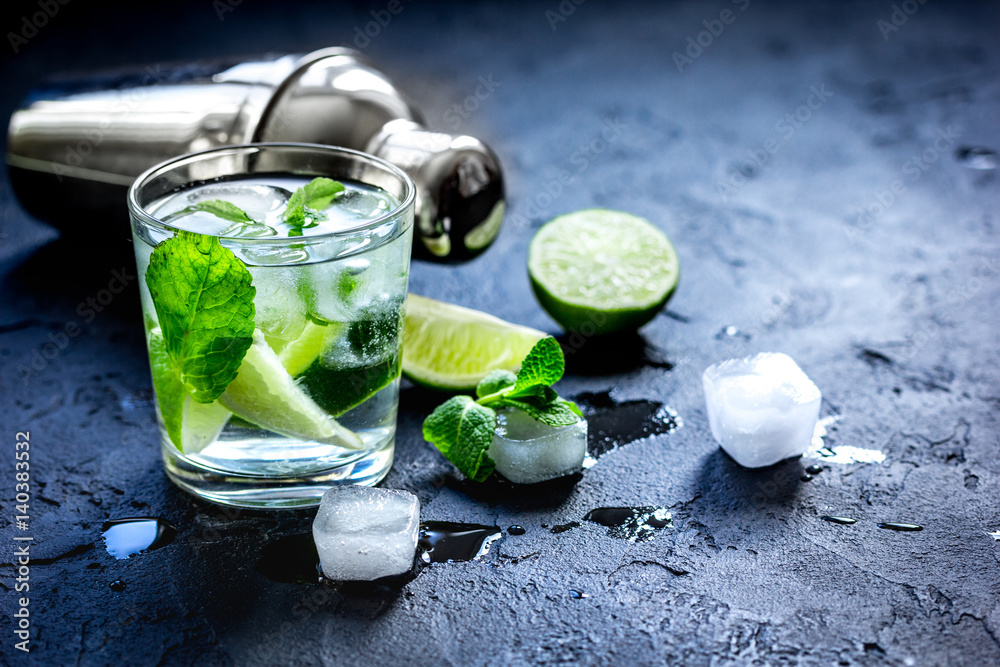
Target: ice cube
x=761 y=409
x=260 y=202
x=337 y=291
x=247 y=231
x=280 y=307
x=527 y=451
x=362 y=533
x=358 y=205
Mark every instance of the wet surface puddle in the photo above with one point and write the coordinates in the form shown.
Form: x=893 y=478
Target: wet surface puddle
x=842 y=454
x=293 y=559
x=612 y=423
x=128 y=537
x=634 y=524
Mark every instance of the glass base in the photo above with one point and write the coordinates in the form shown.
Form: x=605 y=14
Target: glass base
x=240 y=489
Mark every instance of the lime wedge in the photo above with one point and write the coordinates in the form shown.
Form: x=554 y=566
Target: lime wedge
x=190 y=425
x=265 y=394
x=599 y=271
x=300 y=354
x=203 y=422
x=452 y=348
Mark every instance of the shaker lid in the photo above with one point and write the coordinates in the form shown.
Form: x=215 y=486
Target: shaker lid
x=460 y=189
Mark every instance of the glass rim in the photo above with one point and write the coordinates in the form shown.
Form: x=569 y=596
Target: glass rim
x=406 y=202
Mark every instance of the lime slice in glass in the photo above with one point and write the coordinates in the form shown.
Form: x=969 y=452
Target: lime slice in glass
x=599 y=271
x=315 y=339
x=452 y=348
x=190 y=425
x=264 y=394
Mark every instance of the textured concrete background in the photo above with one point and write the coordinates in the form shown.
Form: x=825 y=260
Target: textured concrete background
x=890 y=306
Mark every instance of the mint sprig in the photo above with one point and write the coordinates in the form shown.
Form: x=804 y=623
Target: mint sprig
x=304 y=208
x=219 y=208
x=203 y=296
x=462 y=428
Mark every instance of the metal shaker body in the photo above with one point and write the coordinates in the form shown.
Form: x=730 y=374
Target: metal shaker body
x=74 y=149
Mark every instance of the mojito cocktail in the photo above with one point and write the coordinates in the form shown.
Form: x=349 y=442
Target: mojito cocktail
x=273 y=279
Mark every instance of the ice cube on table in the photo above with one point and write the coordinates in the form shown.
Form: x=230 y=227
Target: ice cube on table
x=527 y=451
x=363 y=533
x=761 y=409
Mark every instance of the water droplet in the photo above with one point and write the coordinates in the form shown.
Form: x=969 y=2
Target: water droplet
x=905 y=527
x=516 y=530
x=127 y=537
x=450 y=542
x=977 y=157
x=117 y=585
x=562 y=528
x=806 y=478
x=635 y=524
x=814 y=469
x=731 y=332
x=842 y=520
x=578 y=595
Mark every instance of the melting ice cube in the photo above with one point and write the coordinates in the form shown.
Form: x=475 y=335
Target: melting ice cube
x=363 y=533
x=761 y=409
x=527 y=451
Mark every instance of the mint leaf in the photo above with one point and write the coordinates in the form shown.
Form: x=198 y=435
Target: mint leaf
x=495 y=381
x=203 y=296
x=543 y=366
x=218 y=208
x=302 y=210
x=558 y=413
x=295 y=212
x=462 y=430
x=319 y=192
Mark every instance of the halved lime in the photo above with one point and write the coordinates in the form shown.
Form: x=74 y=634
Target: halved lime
x=265 y=394
x=599 y=271
x=452 y=348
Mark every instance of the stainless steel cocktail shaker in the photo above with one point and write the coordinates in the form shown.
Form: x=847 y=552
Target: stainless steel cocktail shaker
x=75 y=146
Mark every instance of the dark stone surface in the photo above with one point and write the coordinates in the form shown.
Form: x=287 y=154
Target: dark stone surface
x=894 y=317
